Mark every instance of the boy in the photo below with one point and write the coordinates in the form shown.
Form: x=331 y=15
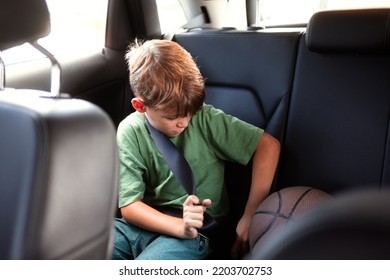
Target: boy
x=169 y=92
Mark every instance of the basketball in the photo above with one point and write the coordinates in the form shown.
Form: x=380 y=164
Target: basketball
x=280 y=208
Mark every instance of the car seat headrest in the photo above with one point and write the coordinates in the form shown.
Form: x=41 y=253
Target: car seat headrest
x=349 y=31
x=22 y=21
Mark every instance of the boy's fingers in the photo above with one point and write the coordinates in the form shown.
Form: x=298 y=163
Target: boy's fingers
x=191 y=232
x=194 y=200
x=193 y=205
x=206 y=202
x=191 y=200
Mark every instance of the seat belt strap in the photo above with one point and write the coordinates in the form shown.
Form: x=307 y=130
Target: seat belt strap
x=179 y=166
x=174 y=158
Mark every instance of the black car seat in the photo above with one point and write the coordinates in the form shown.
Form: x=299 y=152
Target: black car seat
x=336 y=135
x=58 y=159
x=337 y=139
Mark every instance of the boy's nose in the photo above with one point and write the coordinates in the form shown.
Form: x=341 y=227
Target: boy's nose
x=183 y=122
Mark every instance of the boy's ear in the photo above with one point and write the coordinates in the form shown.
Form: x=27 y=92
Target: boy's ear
x=138 y=104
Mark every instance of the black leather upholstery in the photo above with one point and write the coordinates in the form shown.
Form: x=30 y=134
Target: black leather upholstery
x=58 y=178
x=337 y=129
x=350 y=31
x=337 y=140
x=248 y=74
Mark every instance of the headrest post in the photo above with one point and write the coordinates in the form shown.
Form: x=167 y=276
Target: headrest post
x=2 y=73
x=55 y=69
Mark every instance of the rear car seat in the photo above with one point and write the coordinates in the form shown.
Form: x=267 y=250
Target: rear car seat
x=337 y=139
x=332 y=93
x=248 y=75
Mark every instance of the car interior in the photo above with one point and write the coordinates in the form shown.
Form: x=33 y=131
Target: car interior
x=321 y=88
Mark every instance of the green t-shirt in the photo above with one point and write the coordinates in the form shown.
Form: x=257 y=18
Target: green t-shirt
x=211 y=138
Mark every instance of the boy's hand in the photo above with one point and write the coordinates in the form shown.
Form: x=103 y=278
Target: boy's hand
x=193 y=215
x=241 y=244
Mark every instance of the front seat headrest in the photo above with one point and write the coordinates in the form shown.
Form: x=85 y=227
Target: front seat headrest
x=22 y=21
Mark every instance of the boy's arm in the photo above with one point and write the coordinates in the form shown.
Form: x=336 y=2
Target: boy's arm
x=146 y=217
x=265 y=160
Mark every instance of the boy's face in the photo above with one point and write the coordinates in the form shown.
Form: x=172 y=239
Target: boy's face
x=164 y=121
x=167 y=122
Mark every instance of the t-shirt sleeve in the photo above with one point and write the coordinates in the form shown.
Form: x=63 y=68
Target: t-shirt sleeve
x=132 y=166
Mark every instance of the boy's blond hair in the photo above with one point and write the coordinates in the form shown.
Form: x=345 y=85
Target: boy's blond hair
x=165 y=76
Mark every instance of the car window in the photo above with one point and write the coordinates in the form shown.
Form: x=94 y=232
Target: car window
x=233 y=13
x=77 y=26
x=300 y=11
x=171 y=15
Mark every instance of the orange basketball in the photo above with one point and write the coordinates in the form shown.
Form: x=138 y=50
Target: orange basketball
x=280 y=208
